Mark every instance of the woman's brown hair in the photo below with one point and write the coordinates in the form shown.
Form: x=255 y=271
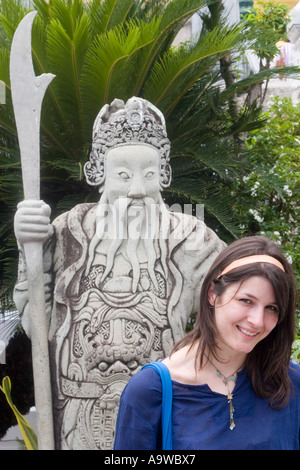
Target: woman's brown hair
x=267 y=364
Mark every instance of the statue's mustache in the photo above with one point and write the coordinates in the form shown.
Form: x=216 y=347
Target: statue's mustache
x=116 y=223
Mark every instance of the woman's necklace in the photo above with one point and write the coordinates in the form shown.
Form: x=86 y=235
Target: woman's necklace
x=226 y=381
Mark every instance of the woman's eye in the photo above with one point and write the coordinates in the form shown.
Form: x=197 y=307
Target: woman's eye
x=246 y=301
x=273 y=308
x=124 y=175
x=149 y=174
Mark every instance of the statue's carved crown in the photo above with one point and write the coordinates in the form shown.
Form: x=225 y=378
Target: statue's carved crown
x=135 y=122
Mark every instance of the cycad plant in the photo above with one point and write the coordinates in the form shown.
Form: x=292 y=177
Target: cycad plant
x=105 y=49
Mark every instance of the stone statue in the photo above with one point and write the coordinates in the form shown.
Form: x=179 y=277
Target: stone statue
x=122 y=276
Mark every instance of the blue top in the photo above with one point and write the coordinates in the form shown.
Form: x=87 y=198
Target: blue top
x=201 y=416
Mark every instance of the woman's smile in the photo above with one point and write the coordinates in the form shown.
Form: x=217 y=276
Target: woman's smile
x=247 y=332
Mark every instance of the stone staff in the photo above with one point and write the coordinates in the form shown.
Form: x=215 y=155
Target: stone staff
x=27 y=94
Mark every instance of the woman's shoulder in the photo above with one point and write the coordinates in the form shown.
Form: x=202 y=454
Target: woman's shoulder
x=145 y=376
x=144 y=386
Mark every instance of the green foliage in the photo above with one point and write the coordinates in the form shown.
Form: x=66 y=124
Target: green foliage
x=267 y=199
x=266 y=27
x=28 y=433
x=106 y=49
x=268 y=22
x=273 y=15
x=296 y=346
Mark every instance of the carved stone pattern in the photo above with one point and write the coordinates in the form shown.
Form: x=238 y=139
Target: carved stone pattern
x=134 y=127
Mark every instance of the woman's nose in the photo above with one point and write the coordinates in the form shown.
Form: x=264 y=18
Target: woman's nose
x=256 y=318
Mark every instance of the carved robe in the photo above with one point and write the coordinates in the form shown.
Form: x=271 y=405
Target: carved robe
x=101 y=332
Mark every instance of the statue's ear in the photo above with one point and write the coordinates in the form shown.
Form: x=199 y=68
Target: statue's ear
x=165 y=175
x=94 y=169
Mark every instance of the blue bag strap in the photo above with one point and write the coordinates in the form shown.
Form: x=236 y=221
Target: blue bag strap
x=167 y=394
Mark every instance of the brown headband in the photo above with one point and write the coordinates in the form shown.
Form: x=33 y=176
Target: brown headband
x=250 y=260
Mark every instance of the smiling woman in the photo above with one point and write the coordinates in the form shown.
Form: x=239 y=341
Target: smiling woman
x=233 y=370
x=245 y=314
x=255 y=266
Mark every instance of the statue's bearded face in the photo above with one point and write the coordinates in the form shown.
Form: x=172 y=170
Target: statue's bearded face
x=132 y=171
x=128 y=212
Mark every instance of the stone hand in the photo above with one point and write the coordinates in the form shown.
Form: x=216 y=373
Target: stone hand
x=32 y=221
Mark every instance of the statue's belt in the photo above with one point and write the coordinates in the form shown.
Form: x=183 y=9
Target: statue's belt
x=81 y=389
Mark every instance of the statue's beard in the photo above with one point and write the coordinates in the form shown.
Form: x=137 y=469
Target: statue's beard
x=129 y=224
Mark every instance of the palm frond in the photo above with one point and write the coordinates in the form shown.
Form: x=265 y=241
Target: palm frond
x=44 y=10
x=4 y=60
x=107 y=14
x=216 y=203
x=242 y=85
x=103 y=65
x=176 y=13
x=221 y=158
x=177 y=71
x=67 y=52
x=11 y=13
x=172 y=18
